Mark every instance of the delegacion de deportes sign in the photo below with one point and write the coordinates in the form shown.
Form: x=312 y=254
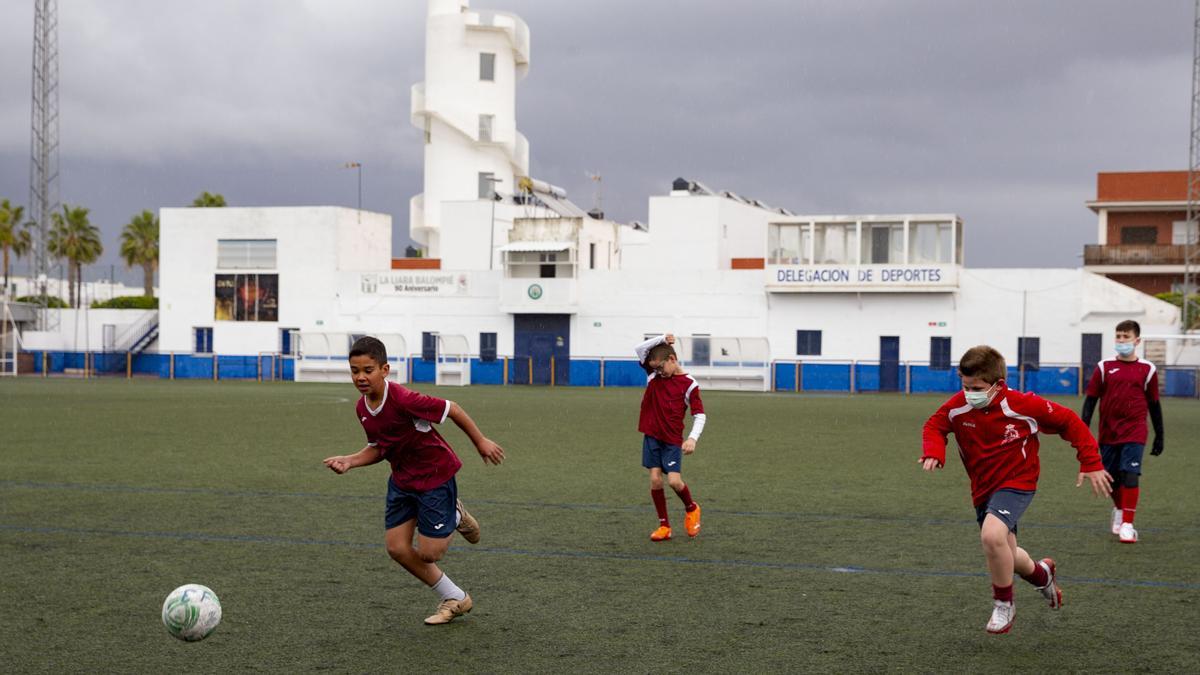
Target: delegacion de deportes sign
x=879 y=276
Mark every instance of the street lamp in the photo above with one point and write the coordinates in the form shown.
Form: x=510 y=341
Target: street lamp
x=492 y=235
x=359 y=167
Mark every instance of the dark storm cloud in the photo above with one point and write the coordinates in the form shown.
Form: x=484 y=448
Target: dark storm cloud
x=1000 y=112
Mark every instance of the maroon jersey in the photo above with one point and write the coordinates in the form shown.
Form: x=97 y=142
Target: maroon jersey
x=999 y=444
x=402 y=428
x=1125 y=389
x=664 y=404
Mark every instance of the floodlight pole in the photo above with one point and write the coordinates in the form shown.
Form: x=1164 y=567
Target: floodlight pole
x=358 y=166
x=492 y=234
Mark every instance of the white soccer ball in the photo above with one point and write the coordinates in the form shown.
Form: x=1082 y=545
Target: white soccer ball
x=191 y=612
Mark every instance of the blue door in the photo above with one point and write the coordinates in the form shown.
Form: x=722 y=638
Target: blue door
x=538 y=337
x=889 y=363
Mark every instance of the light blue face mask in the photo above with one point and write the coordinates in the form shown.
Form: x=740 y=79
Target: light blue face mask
x=1125 y=348
x=980 y=399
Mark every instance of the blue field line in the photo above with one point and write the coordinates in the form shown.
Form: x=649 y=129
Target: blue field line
x=578 y=555
x=792 y=515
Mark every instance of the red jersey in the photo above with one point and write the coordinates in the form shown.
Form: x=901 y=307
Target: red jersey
x=1125 y=389
x=402 y=428
x=999 y=444
x=664 y=404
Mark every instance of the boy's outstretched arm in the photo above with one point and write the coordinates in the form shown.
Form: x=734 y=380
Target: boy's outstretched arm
x=488 y=449
x=1061 y=420
x=933 y=439
x=343 y=463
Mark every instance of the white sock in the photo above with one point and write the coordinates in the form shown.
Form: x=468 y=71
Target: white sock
x=447 y=590
x=457 y=517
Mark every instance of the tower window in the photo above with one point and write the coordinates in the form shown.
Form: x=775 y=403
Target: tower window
x=487 y=67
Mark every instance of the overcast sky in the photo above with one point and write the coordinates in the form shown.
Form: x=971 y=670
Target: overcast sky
x=1001 y=112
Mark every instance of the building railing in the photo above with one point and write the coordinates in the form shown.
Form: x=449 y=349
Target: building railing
x=803 y=376
x=1134 y=254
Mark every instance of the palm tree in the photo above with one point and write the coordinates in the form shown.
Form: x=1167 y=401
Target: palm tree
x=208 y=199
x=139 y=246
x=14 y=235
x=76 y=239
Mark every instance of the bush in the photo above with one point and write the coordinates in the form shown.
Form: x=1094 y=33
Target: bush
x=1177 y=300
x=127 y=302
x=53 y=301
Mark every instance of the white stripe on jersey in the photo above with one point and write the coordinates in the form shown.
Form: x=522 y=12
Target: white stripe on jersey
x=1009 y=412
x=1153 y=369
x=960 y=410
x=688 y=394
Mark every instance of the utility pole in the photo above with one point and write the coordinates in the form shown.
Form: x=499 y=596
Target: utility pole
x=43 y=144
x=358 y=166
x=1192 y=234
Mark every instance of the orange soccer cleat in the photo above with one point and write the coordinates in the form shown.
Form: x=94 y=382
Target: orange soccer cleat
x=691 y=521
x=663 y=533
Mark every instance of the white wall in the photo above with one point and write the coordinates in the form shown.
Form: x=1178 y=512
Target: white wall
x=311 y=242
x=82 y=329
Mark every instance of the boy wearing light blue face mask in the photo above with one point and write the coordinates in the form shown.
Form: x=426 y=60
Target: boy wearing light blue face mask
x=1127 y=388
x=997 y=433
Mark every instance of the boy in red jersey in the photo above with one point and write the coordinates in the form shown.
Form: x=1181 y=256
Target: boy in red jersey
x=1127 y=388
x=669 y=393
x=997 y=433
x=422 y=494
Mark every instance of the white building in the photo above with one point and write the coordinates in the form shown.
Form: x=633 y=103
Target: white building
x=522 y=272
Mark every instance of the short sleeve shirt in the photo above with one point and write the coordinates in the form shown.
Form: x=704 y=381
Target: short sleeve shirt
x=402 y=428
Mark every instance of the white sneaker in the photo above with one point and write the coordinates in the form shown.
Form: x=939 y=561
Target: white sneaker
x=1127 y=534
x=1002 y=616
x=1116 y=521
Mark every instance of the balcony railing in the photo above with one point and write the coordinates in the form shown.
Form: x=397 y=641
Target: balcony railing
x=1136 y=254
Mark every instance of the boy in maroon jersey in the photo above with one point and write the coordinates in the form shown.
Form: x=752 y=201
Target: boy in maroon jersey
x=1127 y=388
x=422 y=494
x=997 y=433
x=669 y=393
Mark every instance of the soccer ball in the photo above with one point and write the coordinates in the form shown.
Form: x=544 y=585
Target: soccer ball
x=191 y=612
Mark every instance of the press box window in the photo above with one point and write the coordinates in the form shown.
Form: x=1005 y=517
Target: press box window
x=203 y=337
x=808 y=343
x=1029 y=352
x=487 y=346
x=487 y=67
x=939 y=353
x=246 y=254
x=429 y=346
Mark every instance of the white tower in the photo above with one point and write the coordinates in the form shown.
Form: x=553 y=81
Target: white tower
x=466 y=108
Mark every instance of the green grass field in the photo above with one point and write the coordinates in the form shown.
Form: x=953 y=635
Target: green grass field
x=824 y=547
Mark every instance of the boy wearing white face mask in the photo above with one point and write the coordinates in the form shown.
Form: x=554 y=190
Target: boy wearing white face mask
x=997 y=433
x=1127 y=388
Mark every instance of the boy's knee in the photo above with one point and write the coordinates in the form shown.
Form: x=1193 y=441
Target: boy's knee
x=401 y=552
x=430 y=556
x=656 y=483
x=675 y=481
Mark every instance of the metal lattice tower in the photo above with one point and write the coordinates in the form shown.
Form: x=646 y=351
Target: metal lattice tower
x=1191 y=245
x=43 y=154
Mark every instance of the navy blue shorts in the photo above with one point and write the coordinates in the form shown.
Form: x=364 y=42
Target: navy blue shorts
x=436 y=510
x=1125 y=457
x=659 y=455
x=1007 y=505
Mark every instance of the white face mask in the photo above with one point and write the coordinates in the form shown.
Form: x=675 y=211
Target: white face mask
x=1125 y=348
x=980 y=399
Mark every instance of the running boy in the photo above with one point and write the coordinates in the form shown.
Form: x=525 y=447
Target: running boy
x=669 y=393
x=996 y=429
x=422 y=496
x=1128 y=389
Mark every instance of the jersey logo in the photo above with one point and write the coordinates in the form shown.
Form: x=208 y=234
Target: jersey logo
x=422 y=426
x=1049 y=407
x=969 y=424
x=364 y=418
x=1113 y=371
x=1011 y=433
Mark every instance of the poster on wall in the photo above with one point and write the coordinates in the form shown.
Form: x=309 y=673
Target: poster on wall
x=247 y=297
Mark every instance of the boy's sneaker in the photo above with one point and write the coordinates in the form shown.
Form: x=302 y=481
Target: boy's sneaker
x=468 y=527
x=1116 y=521
x=1002 y=617
x=663 y=533
x=449 y=610
x=1127 y=534
x=691 y=521
x=1051 y=592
